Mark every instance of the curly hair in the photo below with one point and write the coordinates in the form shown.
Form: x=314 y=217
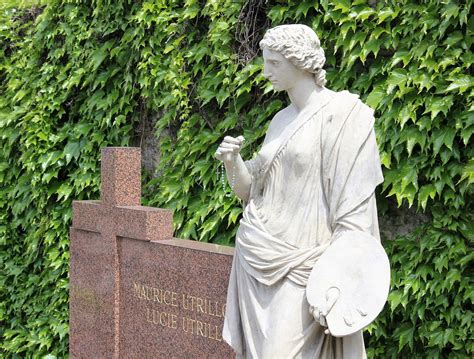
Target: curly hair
x=300 y=45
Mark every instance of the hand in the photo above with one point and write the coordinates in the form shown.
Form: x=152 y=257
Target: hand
x=228 y=148
x=320 y=314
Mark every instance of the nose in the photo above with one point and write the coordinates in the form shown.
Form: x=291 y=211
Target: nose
x=266 y=73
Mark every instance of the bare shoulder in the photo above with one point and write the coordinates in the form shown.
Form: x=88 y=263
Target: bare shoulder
x=278 y=120
x=280 y=115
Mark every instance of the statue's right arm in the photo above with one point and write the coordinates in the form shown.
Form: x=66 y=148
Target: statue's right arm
x=228 y=153
x=238 y=175
x=243 y=179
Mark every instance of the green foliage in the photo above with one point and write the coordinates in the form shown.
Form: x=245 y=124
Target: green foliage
x=429 y=314
x=57 y=109
x=80 y=75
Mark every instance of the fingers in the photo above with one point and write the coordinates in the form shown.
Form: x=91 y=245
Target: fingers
x=318 y=315
x=234 y=140
x=231 y=142
x=314 y=312
x=229 y=146
x=322 y=321
x=223 y=153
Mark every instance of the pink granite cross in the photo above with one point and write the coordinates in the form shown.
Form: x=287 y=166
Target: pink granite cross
x=97 y=227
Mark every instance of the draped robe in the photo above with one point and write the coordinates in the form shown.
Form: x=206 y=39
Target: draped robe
x=312 y=181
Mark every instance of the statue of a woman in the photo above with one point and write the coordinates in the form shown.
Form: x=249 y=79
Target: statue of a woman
x=313 y=179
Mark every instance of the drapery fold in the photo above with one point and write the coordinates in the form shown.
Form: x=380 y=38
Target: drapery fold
x=311 y=182
x=269 y=259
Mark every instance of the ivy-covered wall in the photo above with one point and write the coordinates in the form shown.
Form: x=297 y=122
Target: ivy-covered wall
x=79 y=75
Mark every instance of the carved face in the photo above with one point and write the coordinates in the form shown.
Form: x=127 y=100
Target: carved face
x=280 y=71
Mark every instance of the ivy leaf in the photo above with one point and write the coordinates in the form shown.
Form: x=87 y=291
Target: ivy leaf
x=468 y=172
x=461 y=83
x=384 y=14
x=467 y=230
x=365 y=14
x=450 y=10
x=351 y=25
x=405 y=335
x=435 y=105
x=64 y=191
x=233 y=215
x=50 y=158
x=276 y=13
x=304 y=7
x=427 y=191
x=373 y=46
x=406 y=114
x=398 y=77
x=394 y=298
x=466 y=134
x=385 y=159
x=191 y=11
x=423 y=81
x=454 y=38
x=375 y=97
x=413 y=137
x=342 y=4
x=401 y=56
x=99 y=55
x=443 y=136
x=71 y=150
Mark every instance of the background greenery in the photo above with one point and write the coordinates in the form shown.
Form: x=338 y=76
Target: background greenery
x=76 y=76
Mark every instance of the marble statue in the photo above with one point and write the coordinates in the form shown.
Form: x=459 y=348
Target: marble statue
x=311 y=183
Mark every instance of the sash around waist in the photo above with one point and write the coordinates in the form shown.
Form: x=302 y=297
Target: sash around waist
x=269 y=259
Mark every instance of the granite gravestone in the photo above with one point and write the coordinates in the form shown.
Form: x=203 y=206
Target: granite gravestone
x=135 y=291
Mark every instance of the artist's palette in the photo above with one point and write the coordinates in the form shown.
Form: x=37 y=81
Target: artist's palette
x=357 y=265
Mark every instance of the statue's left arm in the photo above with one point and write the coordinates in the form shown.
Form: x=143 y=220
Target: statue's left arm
x=358 y=208
x=351 y=172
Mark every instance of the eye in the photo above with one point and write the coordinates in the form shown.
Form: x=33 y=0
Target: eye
x=275 y=62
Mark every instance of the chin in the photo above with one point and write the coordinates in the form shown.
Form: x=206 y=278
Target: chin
x=277 y=88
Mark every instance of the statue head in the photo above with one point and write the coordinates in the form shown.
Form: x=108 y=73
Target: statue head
x=300 y=45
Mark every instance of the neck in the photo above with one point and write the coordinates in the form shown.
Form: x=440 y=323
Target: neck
x=301 y=94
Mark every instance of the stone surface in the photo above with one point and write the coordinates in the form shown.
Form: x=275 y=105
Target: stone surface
x=123 y=258
x=397 y=222
x=173 y=295
x=92 y=302
x=149 y=140
x=121 y=176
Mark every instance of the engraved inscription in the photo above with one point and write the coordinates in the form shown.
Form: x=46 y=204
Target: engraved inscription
x=198 y=311
x=162 y=318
